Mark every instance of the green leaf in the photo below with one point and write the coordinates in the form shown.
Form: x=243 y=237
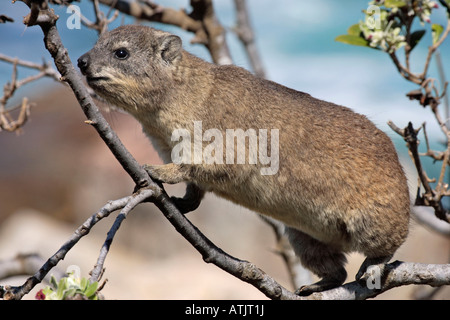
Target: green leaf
x=416 y=36
x=61 y=289
x=83 y=284
x=436 y=31
x=53 y=282
x=394 y=3
x=354 y=30
x=352 y=39
x=91 y=289
x=69 y=293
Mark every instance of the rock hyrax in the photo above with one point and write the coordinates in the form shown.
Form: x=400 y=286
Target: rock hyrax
x=327 y=173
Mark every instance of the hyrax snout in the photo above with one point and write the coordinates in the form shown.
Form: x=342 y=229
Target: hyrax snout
x=325 y=172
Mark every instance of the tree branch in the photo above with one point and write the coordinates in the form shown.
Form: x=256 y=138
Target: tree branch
x=144 y=11
x=432 y=49
x=15 y=293
x=245 y=33
x=397 y=274
x=430 y=197
x=133 y=201
x=6 y=121
x=424 y=216
x=404 y=72
x=4 y=19
x=101 y=20
x=203 y=10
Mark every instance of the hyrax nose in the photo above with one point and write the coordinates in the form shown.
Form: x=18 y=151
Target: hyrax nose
x=83 y=63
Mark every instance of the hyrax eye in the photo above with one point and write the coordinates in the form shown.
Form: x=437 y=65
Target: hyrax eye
x=121 y=54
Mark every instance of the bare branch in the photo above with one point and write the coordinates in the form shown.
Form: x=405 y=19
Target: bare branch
x=101 y=20
x=15 y=293
x=215 y=33
x=433 y=48
x=404 y=72
x=424 y=216
x=245 y=33
x=396 y=274
x=430 y=197
x=44 y=67
x=4 y=19
x=6 y=121
x=46 y=70
x=133 y=201
x=241 y=269
x=143 y=11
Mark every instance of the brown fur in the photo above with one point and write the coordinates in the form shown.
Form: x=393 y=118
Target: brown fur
x=339 y=187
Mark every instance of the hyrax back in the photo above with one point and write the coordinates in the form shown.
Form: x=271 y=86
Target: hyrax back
x=334 y=179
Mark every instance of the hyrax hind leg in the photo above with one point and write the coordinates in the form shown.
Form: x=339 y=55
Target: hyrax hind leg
x=321 y=259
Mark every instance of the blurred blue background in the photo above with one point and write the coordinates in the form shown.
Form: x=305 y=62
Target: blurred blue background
x=296 y=43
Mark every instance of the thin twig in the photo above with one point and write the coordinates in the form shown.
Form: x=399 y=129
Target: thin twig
x=6 y=121
x=15 y=293
x=101 y=20
x=44 y=67
x=404 y=72
x=245 y=33
x=424 y=216
x=436 y=155
x=433 y=48
x=430 y=197
x=134 y=200
x=397 y=274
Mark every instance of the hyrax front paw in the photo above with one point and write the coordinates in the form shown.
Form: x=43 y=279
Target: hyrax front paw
x=167 y=173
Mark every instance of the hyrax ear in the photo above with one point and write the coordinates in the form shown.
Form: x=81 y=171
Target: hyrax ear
x=170 y=48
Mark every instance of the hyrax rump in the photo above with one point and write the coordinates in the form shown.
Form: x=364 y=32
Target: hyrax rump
x=338 y=185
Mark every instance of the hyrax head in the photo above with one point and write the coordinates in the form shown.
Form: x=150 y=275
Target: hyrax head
x=131 y=65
